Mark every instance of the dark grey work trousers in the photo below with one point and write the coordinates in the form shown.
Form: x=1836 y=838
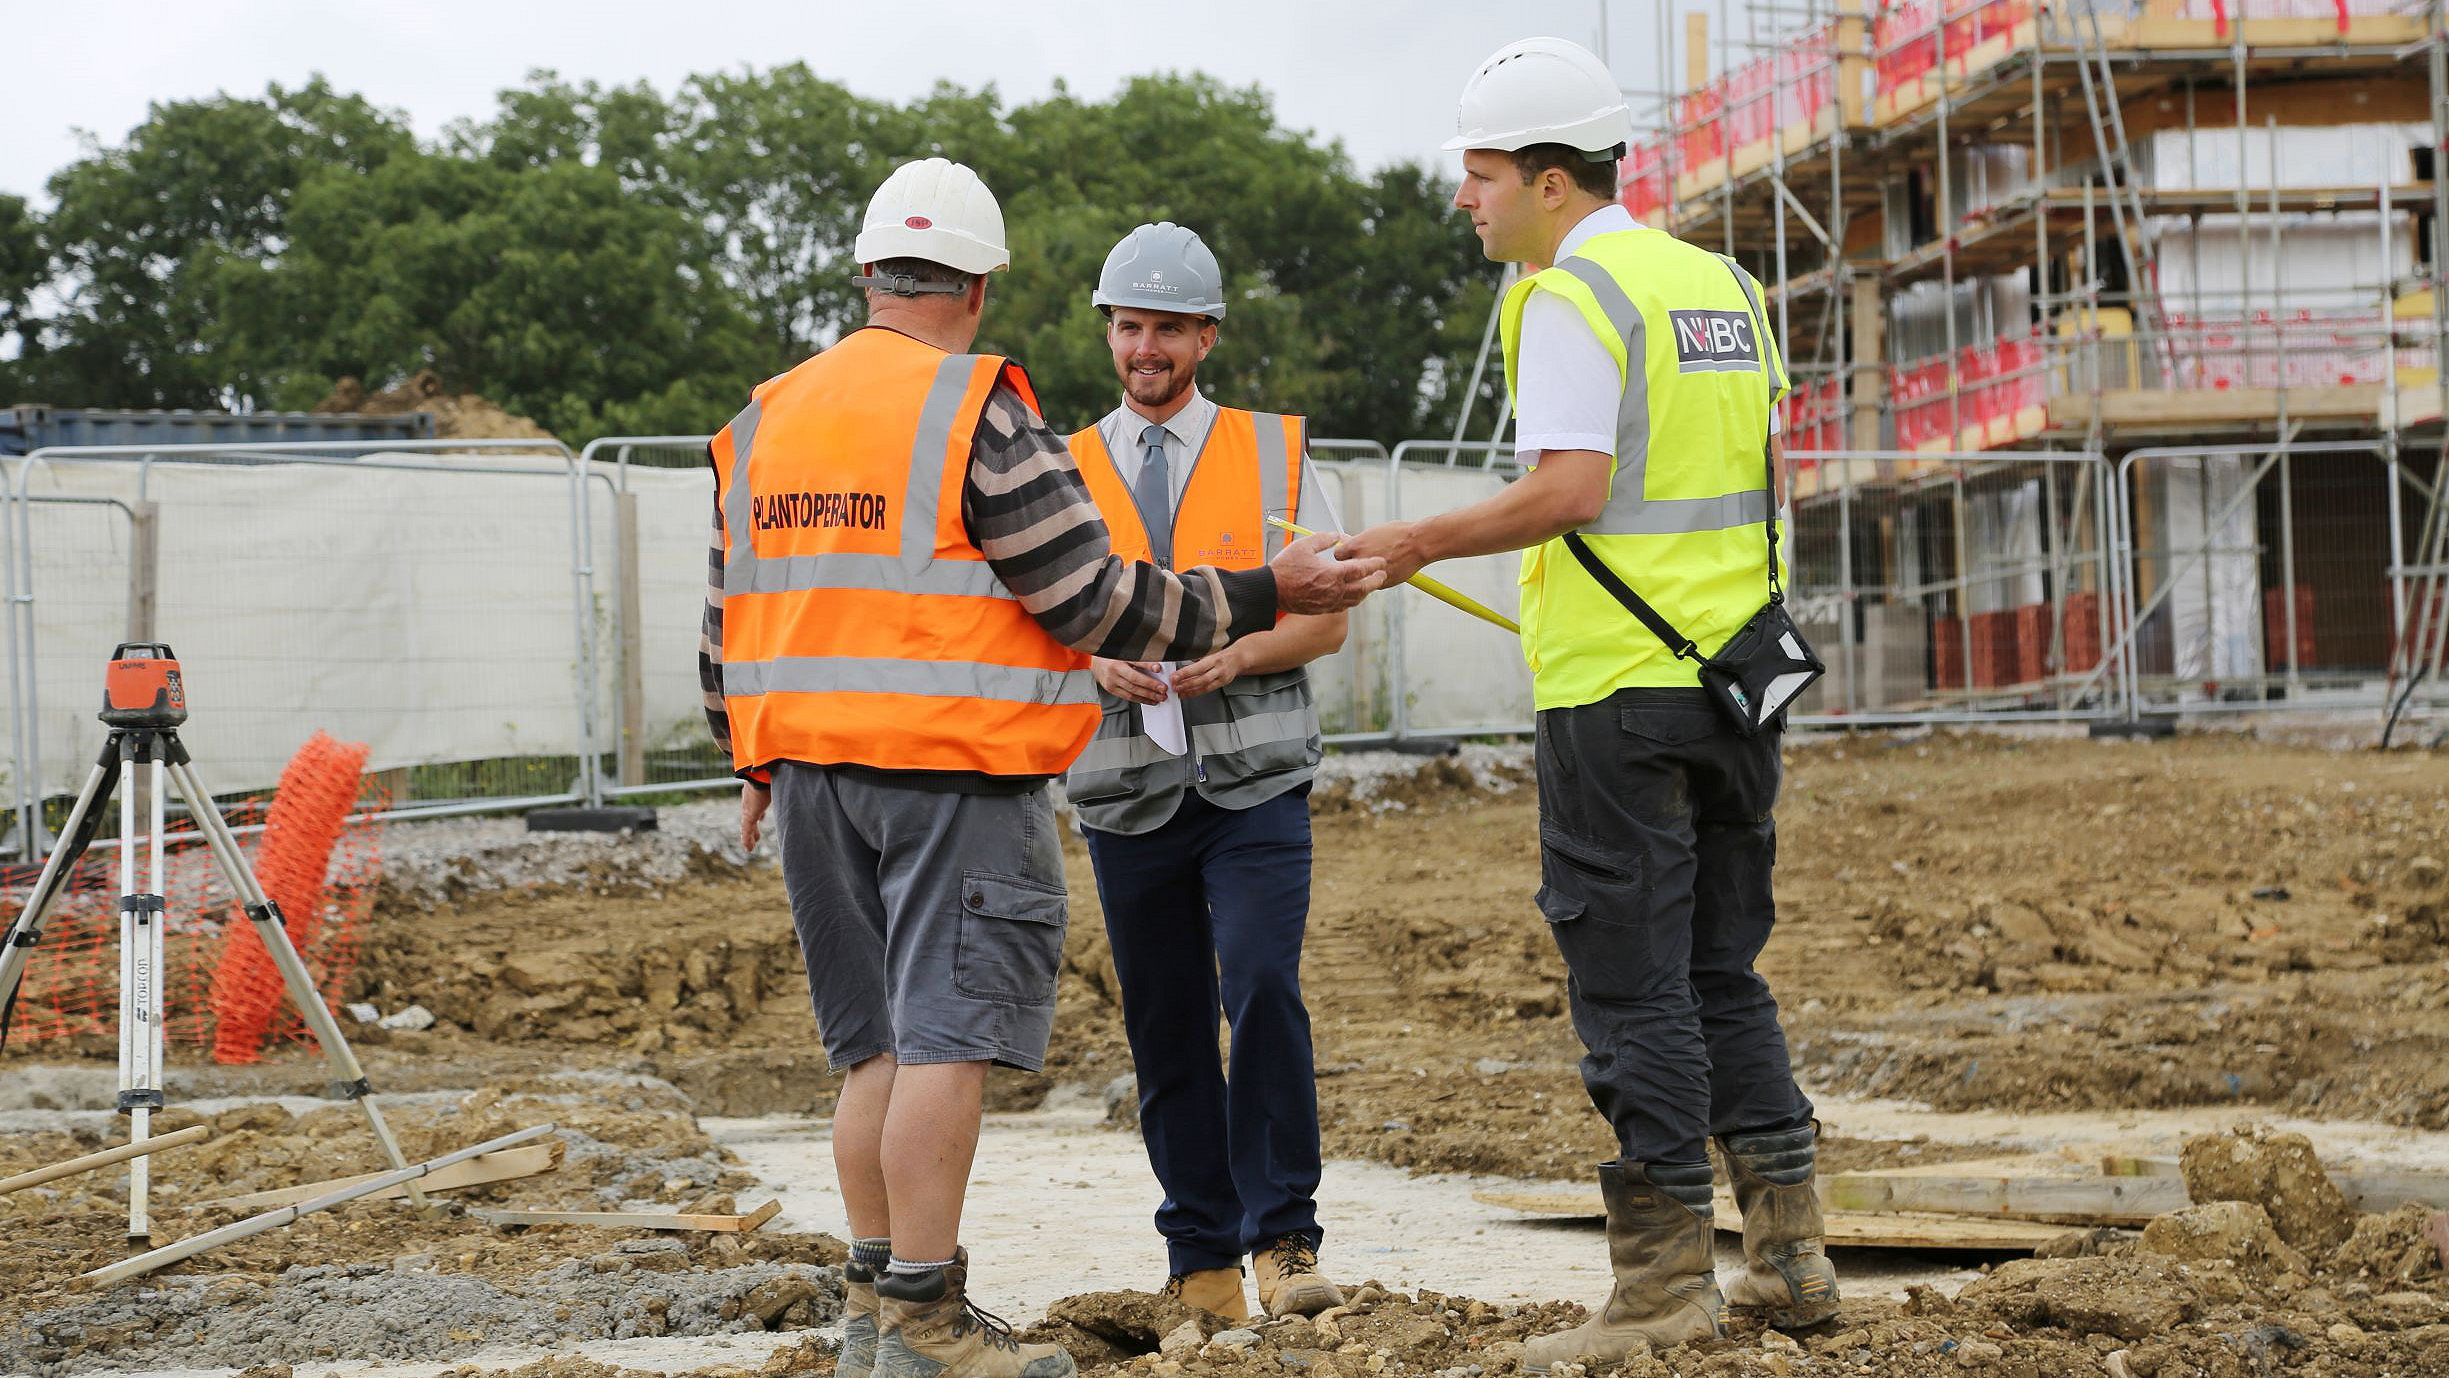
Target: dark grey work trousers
x=1655 y=847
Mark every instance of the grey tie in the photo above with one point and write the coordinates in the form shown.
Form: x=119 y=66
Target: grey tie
x=1153 y=494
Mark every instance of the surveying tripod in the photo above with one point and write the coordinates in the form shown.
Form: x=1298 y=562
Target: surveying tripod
x=143 y=701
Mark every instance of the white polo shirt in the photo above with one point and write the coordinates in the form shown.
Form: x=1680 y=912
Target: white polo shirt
x=1567 y=387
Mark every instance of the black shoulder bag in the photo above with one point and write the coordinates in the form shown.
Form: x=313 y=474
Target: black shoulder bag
x=1766 y=663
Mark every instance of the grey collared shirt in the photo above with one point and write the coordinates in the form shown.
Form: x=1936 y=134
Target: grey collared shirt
x=1185 y=433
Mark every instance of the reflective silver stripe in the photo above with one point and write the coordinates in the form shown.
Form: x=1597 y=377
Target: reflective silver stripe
x=935 y=416
x=1628 y=513
x=1119 y=753
x=1680 y=516
x=743 y=430
x=932 y=678
x=1241 y=734
x=1272 y=487
x=1760 y=324
x=790 y=573
x=916 y=570
x=1633 y=411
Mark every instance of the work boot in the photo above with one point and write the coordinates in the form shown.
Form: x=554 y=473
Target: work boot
x=931 y=1329
x=1289 y=1283
x=1217 y=1291
x=1786 y=1271
x=1659 y=1245
x=858 y=1356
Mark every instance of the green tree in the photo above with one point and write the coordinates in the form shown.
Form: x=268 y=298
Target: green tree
x=546 y=287
x=24 y=267
x=606 y=257
x=136 y=226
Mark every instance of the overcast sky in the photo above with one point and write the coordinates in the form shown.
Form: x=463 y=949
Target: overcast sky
x=1378 y=75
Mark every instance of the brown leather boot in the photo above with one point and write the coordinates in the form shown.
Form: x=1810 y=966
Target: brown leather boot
x=858 y=1356
x=931 y=1329
x=1786 y=1271
x=1658 y=1243
x=1217 y=1291
x=1289 y=1281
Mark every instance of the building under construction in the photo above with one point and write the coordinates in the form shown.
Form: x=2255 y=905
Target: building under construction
x=2116 y=329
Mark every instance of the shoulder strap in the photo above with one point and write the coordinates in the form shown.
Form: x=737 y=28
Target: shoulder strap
x=1659 y=626
x=1768 y=450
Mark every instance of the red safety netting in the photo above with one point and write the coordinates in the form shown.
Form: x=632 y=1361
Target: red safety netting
x=1813 y=417
x=1997 y=382
x=70 y=991
x=1756 y=99
x=1912 y=38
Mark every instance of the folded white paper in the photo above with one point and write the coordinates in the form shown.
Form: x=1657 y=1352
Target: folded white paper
x=1163 y=719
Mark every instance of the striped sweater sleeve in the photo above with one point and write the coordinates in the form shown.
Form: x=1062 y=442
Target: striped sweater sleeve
x=710 y=646
x=1030 y=511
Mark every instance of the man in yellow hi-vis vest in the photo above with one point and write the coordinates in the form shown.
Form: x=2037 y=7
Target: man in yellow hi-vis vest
x=1644 y=382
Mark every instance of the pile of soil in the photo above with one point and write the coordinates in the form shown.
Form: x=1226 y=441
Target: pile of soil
x=457 y=416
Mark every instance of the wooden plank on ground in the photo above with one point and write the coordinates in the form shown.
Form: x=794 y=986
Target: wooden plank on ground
x=1846 y=1228
x=2372 y=1191
x=2065 y=1200
x=503 y=1166
x=88 y=1162
x=636 y=1220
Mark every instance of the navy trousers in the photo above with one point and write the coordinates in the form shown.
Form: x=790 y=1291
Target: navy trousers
x=1206 y=915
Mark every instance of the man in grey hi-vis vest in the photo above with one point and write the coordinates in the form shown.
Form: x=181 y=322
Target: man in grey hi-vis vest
x=1203 y=857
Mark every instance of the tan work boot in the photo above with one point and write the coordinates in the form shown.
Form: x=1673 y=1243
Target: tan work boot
x=1786 y=1271
x=1289 y=1284
x=858 y=1356
x=1658 y=1243
x=1217 y=1291
x=931 y=1329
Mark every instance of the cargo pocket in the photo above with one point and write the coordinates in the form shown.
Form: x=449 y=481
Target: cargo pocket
x=1101 y=772
x=1597 y=905
x=1011 y=944
x=1260 y=704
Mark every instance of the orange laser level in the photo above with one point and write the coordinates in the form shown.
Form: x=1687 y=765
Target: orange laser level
x=142 y=688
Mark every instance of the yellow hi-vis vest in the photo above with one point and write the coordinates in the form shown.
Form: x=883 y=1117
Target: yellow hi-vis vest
x=1683 y=523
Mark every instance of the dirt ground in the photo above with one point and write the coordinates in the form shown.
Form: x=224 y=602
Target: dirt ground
x=1970 y=921
x=1966 y=920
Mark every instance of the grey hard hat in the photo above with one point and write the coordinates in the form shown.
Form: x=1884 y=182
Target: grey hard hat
x=1162 y=267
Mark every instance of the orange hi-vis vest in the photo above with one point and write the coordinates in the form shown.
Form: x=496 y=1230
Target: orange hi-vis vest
x=1259 y=736
x=1249 y=470
x=860 y=624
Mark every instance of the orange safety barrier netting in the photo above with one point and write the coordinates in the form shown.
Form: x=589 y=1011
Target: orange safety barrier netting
x=70 y=991
x=308 y=811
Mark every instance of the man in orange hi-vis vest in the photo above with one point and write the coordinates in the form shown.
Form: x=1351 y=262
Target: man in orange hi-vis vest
x=1202 y=844
x=909 y=577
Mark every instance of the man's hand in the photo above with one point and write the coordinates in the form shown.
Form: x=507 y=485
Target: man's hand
x=1308 y=580
x=755 y=799
x=1132 y=682
x=1397 y=543
x=1212 y=673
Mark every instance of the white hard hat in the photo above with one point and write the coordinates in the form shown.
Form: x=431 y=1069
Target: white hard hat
x=934 y=209
x=1542 y=91
x=1162 y=267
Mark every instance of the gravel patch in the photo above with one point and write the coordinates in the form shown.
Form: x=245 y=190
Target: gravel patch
x=395 y=1312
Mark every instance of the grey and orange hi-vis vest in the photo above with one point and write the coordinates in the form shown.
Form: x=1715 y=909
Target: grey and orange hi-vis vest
x=1258 y=736
x=860 y=624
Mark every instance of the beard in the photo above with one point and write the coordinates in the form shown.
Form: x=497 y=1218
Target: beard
x=1157 y=389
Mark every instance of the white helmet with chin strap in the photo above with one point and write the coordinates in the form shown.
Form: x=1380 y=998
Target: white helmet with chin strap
x=1544 y=91
x=935 y=210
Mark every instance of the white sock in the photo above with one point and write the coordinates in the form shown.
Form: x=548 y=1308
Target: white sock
x=905 y=1268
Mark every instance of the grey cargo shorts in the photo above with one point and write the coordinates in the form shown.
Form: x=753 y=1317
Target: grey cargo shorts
x=932 y=923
